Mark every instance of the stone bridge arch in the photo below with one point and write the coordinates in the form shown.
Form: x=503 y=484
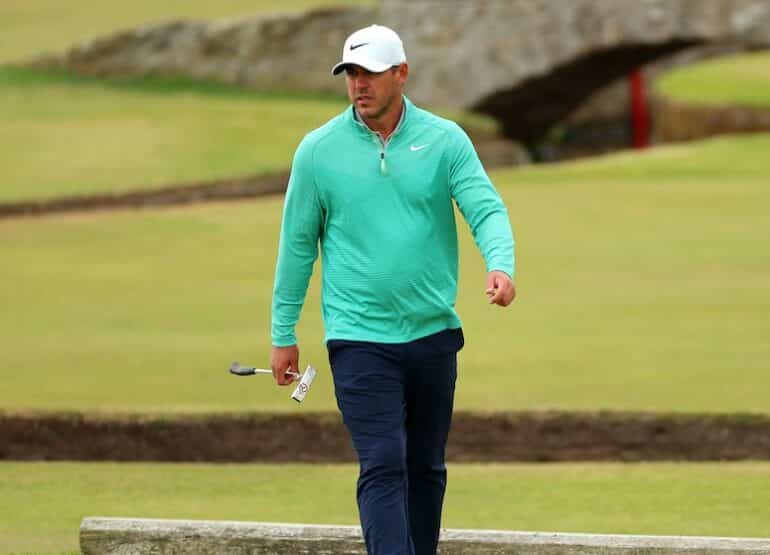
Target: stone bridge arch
x=528 y=63
x=528 y=110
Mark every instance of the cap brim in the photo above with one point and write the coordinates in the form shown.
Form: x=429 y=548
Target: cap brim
x=376 y=67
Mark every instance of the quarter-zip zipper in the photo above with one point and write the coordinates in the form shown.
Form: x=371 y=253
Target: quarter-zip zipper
x=381 y=143
x=381 y=146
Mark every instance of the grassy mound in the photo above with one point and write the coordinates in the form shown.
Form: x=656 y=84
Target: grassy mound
x=64 y=135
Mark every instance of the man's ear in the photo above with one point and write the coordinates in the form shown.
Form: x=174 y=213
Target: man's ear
x=403 y=72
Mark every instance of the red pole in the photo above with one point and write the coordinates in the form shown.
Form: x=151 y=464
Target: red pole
x=640 y=111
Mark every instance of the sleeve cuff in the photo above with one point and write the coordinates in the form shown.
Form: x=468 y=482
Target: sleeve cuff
x=284 y=340
x=506 y=269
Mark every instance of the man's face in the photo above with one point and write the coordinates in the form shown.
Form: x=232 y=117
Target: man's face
x=374 y=94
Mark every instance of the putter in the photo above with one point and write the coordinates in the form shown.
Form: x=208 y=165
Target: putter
x=300 y=392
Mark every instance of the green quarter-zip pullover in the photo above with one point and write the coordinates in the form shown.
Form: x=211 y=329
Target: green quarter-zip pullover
x=383 y=215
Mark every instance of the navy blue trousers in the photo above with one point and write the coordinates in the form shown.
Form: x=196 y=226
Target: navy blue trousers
x=396 y=401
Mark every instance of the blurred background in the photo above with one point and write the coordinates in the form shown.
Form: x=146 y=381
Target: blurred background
x=144 y=149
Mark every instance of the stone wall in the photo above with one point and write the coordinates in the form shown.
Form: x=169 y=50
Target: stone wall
x=677 y=122
x=103 y=536
x=279 y=52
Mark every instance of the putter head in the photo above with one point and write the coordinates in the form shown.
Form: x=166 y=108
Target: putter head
x=300 y=392
x=238 y=370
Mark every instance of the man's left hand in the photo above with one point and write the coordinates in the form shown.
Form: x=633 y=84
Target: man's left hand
x=500 y=289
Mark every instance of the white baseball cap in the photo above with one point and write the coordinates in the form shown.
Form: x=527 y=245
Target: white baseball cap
x=375 y=48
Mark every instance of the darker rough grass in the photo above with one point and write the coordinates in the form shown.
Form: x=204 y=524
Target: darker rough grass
x=321 y=437
x=174 y=195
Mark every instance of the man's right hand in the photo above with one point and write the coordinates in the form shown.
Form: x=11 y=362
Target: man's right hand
x=282 y=360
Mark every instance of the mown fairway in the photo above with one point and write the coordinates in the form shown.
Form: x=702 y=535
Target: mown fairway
x=30 y=28
x=45 y=502
x=643 y=285
x=739 y=79
x=63 y=136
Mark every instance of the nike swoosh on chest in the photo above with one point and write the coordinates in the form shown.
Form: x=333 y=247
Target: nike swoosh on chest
x=416 y=148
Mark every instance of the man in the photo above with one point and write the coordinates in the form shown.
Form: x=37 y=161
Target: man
x=374 y=186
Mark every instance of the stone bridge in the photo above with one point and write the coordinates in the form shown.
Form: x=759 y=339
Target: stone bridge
x=528 y=63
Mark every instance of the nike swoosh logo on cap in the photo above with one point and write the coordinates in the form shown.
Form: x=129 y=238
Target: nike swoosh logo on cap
x=354 y=46
x=416 y=148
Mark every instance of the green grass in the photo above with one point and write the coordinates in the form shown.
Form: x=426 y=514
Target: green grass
x=64 y=136
x=45 y=502
x=30 y=28
x=739 y=79
x=642 y=282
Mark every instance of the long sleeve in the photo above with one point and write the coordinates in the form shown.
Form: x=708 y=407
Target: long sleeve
x=301 y=228
x=481 y=206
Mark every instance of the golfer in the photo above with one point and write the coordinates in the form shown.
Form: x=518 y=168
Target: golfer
x=374 y=187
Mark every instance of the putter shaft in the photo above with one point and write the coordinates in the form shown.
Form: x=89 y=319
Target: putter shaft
x=239 y=370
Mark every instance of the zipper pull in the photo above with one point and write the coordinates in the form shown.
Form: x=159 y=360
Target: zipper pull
x=383 y=168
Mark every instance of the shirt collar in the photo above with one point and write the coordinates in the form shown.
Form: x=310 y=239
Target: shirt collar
x=358 y=119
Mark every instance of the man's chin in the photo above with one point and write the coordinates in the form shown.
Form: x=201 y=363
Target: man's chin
x=369 y=113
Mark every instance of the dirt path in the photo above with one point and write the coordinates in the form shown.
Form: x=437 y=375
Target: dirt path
x=185 y=193
x=534 y=437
